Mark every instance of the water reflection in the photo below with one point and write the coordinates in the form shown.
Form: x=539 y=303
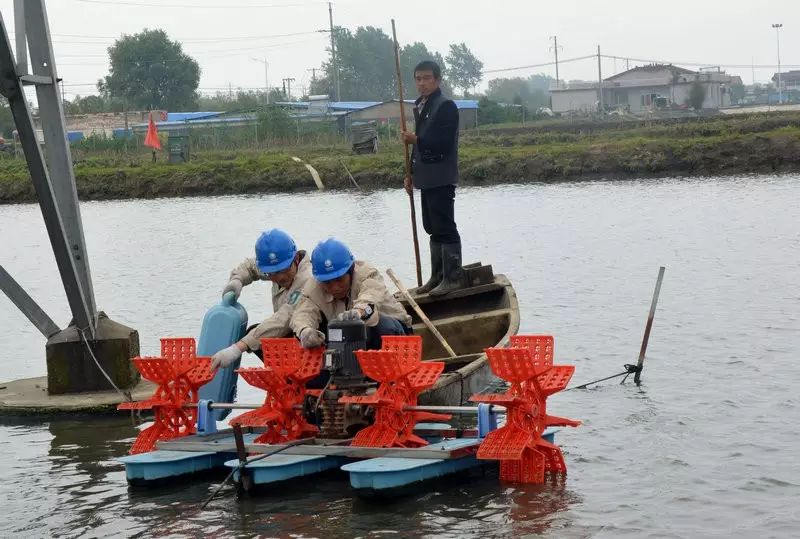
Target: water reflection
x=687 y=449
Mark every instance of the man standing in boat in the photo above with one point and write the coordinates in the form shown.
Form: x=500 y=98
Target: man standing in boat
x=277 y=260
x=344 y=288
x=434 y=165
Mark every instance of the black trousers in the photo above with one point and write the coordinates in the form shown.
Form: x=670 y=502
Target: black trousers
x=438 y=213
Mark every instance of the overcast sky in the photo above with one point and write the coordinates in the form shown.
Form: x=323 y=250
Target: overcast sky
x=502 y=33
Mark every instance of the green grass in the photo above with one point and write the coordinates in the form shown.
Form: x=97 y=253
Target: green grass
x=546 y=152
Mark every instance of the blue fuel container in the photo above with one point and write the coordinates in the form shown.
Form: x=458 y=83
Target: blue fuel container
x=223 y=325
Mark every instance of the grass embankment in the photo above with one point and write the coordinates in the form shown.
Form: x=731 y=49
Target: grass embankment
x=546 y=152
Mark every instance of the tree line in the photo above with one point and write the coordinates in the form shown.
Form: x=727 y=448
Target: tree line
x=150 y=70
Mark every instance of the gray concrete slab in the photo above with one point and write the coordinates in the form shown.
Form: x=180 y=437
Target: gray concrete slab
x=29 y=397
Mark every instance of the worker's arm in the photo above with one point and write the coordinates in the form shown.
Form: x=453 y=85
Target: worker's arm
x=241 y=276
x=246 y=272
x=276 y=325
x=306 y=315
x=372 y=292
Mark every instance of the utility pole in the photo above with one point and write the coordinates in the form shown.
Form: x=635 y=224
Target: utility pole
x=336 y=82
x=753 y=70
x=777 y=28
x=230 y=91
x=266 y=79
x=554 y=48
x=266 y=76
x=600 y=79
x=287 y=87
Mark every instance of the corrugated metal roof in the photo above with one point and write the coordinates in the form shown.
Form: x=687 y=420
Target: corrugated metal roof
x=353 y=105
x=292 y=104
x=173 y=125
x=466 y=104
x=189 y=116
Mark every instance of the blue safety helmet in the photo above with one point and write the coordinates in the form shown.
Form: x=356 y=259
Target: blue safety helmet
x=330 y=260
x=275 y=250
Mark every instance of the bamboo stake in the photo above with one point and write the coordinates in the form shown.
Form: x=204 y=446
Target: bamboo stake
x=407 y=155
x=425 y=320
x=637 y=377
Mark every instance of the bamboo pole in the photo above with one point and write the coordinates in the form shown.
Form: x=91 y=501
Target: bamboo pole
x=406 y=154
x=425 y=320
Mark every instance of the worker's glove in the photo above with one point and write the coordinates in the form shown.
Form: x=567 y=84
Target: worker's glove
x=311 y=338
x=352 y=314
x=225 y=357
x=235 y=286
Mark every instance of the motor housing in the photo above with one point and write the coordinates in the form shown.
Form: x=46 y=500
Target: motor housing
x=337 y=420
x=344 y=338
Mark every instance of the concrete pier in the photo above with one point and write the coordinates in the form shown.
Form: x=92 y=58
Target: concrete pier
x=29 y=396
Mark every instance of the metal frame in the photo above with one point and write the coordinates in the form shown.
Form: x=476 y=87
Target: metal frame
x=27 y=305
x=223 y=442
x=54 y=180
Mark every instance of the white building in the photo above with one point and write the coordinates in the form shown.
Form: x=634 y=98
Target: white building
x=644 y=88
x=790 y=80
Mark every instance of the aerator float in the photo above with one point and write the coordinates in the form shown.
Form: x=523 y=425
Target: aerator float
x=363 y=417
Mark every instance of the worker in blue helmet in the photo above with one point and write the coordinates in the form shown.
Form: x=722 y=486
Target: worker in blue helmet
x=346 y=289
x=277 y=260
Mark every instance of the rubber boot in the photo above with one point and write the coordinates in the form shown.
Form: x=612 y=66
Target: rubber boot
x=453 y=272
x=436 y=270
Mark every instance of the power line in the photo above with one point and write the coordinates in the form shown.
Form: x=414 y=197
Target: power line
x=545 y=64
x=151 y=60
x=221 y=5
x=206 y=39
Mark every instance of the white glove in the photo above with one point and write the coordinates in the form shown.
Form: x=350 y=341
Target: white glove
x=235 y=286
x=311 y=338
x=225 y=357
x=352 y=314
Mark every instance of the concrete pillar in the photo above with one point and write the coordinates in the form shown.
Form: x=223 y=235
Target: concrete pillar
x=71 y=369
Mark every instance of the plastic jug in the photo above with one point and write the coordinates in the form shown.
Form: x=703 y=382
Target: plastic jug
x=223 y=325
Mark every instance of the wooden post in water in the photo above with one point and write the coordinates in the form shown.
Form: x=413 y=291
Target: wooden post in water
x=637 y=377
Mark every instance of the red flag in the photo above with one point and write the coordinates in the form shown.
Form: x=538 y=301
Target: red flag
x=151 y=139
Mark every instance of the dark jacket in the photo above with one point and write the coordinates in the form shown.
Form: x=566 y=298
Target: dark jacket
x=435 y=156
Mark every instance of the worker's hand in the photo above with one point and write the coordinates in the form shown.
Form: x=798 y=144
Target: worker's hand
x=311 y=338
x=352 y=314
x=235 y=286
x=225 y=357
x=407 y=137
x=408 y=185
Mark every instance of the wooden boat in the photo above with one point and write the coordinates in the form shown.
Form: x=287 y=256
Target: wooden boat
x=484 y=315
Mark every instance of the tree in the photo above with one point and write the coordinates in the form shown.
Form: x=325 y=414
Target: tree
x=738 y=93
x=490 y=112
x=92 y=104
x=366 y=65
x=542 y=82
x=410 y=56
x=150 y=70
x=463 y=68
x=518 y=91
x=697 y=94
x=367 y=69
